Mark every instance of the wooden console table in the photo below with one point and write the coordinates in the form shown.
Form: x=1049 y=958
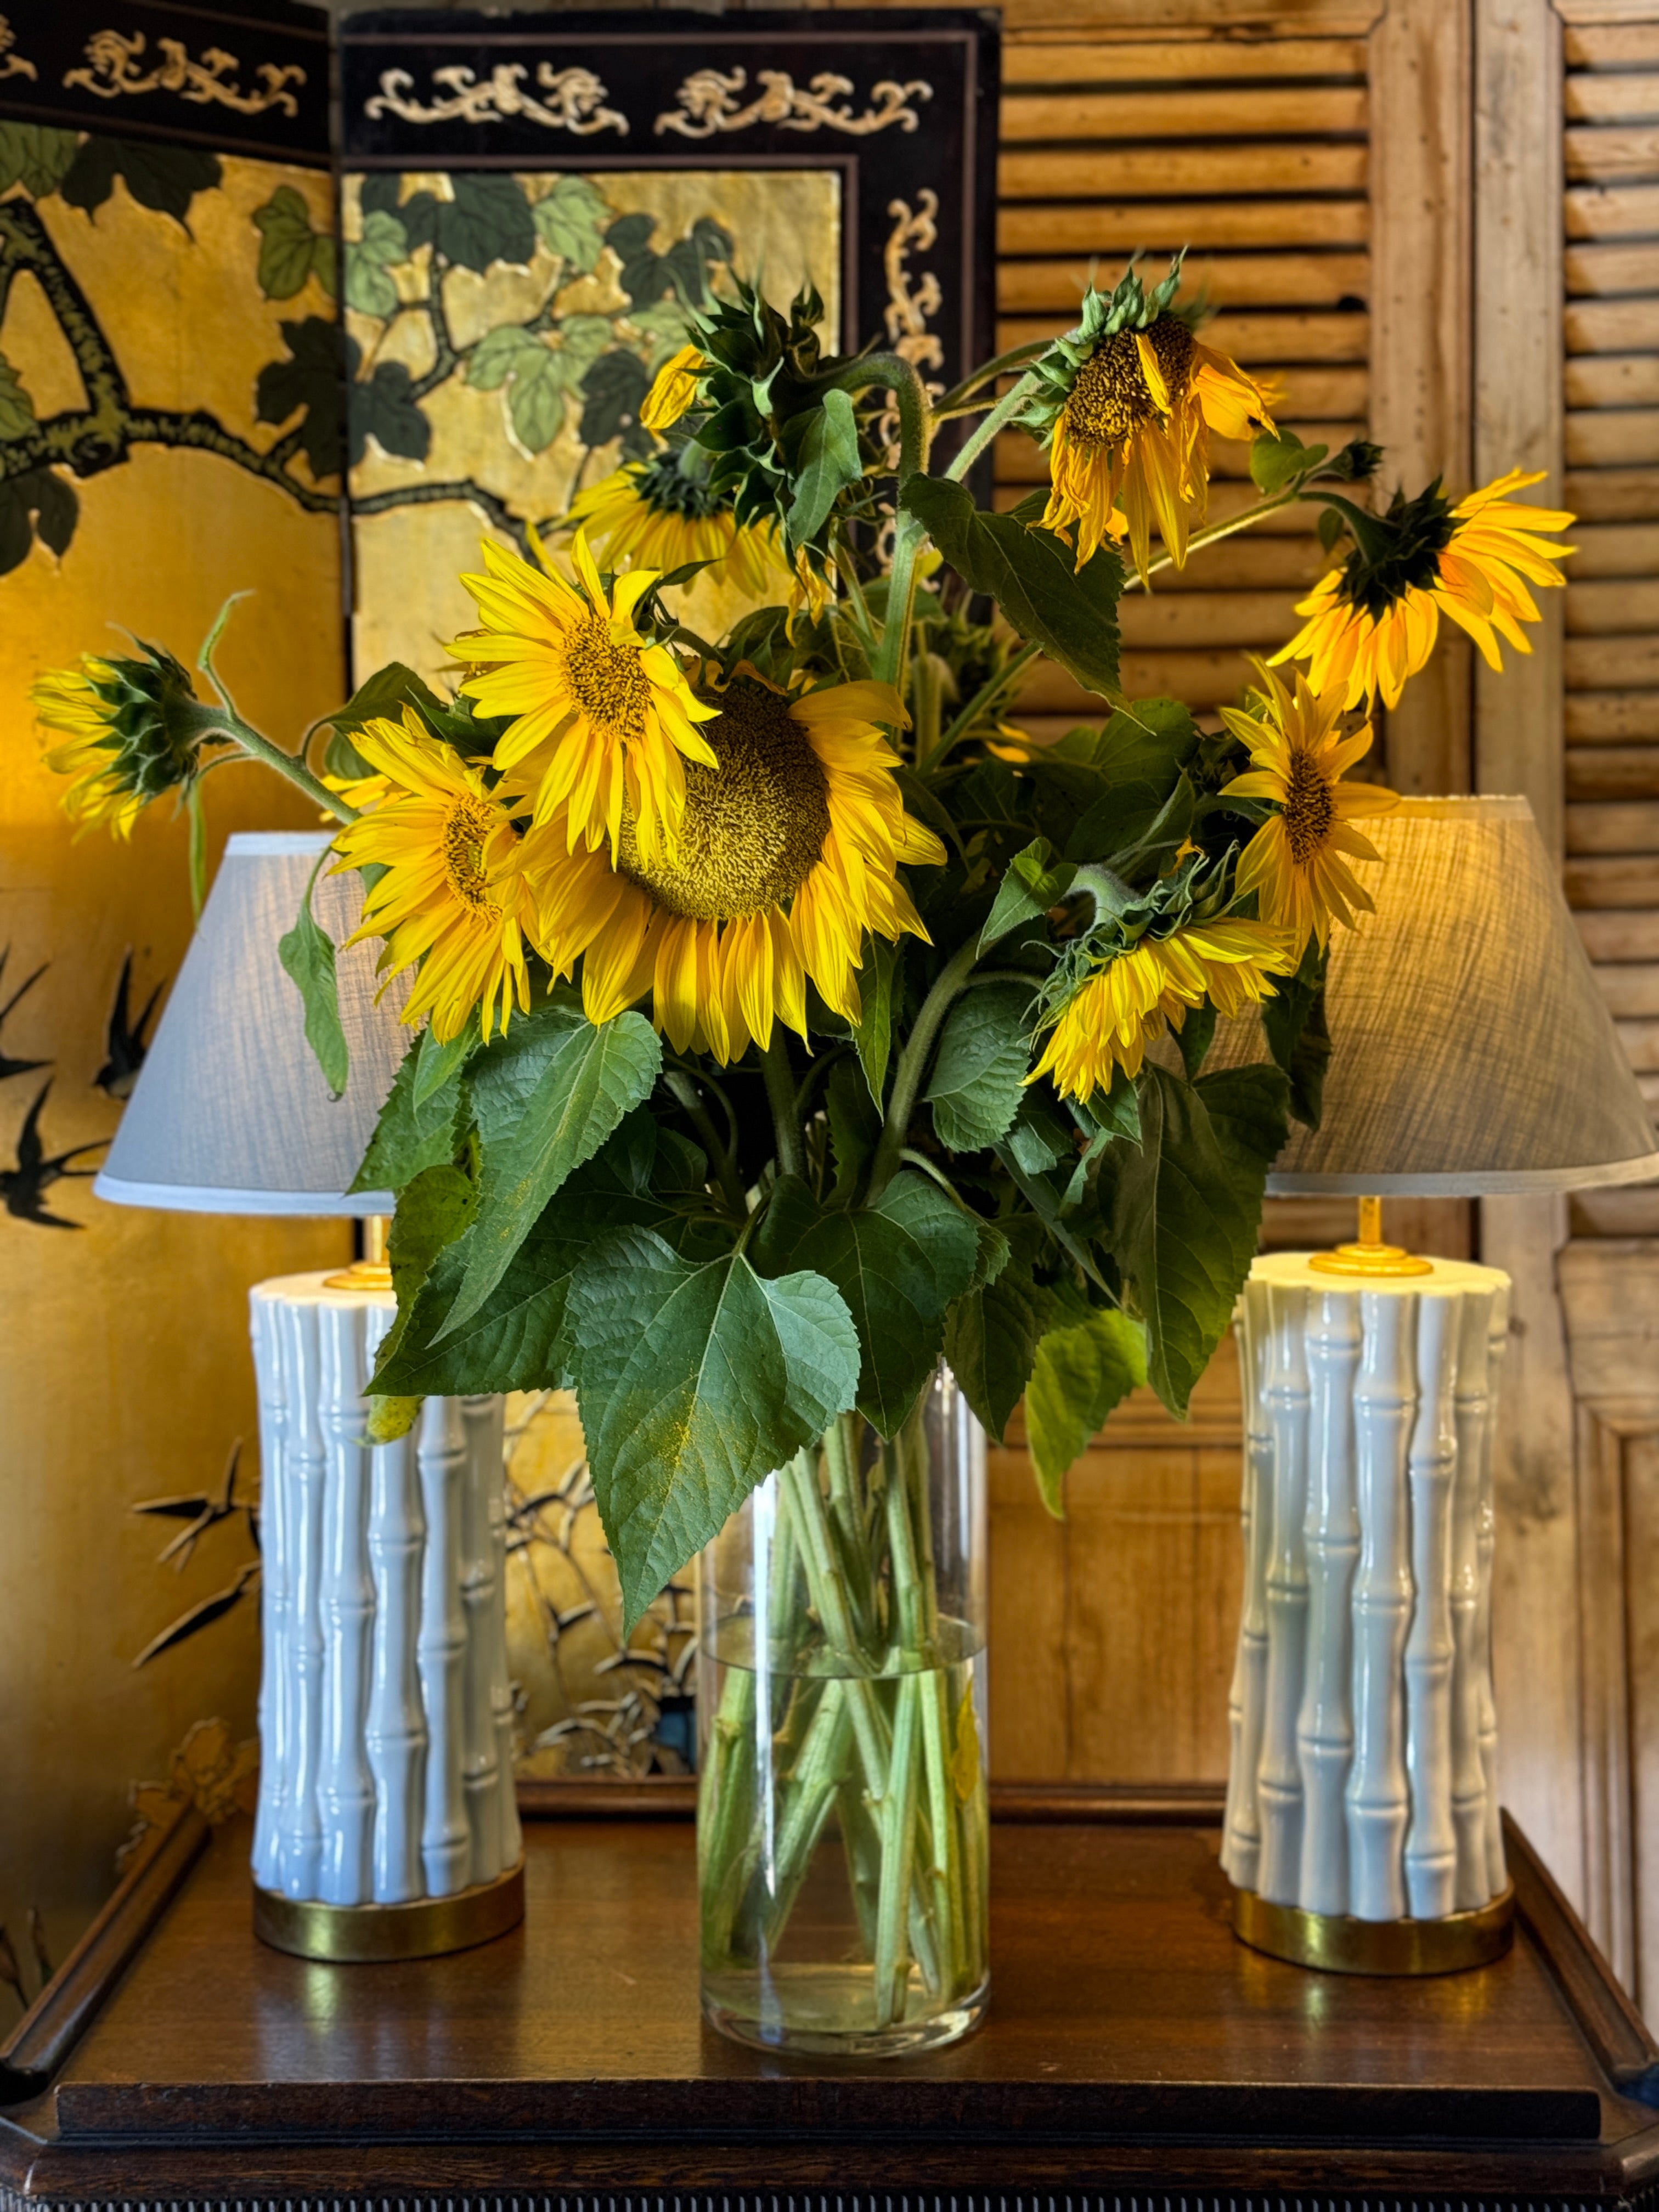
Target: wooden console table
x=1135 y=2052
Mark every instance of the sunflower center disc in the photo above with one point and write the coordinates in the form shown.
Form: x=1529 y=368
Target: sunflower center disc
x=1310 y=809
x=609 y=683
x=466 y=826
x=754 y=828
x=1111 y=397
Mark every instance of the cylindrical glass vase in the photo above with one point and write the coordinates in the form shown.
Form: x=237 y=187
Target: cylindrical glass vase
x=842 y=1838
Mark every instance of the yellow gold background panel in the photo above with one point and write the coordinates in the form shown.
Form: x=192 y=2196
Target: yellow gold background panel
x=786 y=223
x=125 y=1371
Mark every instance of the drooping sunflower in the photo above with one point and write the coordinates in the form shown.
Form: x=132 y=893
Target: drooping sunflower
x=1373 y=623
x=134 y=727
x=673 y=389
x=788 y=852
x=604 y=719
x=660 y=515
x=454 y=896
x=1128 y=404
x=1294 y=863
x=1138 y=996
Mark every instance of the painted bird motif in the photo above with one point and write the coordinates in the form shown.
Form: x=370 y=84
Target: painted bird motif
x=7 y=1065
x=24 y=1187
x=125 y=1042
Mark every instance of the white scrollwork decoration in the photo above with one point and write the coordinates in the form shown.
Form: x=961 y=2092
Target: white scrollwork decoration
x=113 y=68
x=13 y=64
x=708 y=102
x=576 y=102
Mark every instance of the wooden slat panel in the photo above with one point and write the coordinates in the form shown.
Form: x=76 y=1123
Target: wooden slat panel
x=1604 y=271
x=1614 y=1212
x=1611 y=717
x=1611 y=156
x=1620 y=96
x=1612 y=325
x=1614 y=380
x=1609 y=45
x=1149 y=61
x=1641 y=1041
x=1205 y=678
x=1617 y=936
x=1612 y=210
x=1259 y=339
x=1630 y=829
x=1614 y=436
x=1621 y=883
x=1616 y=549
x=1249 y=563
x=1610 y=664
x=1271 y=112
x=1163 y=226
x=1615 y=495
x=1295 y=165
x=1238 y=280
x=1205 y=618
x=1631 y=990
x=1613 y=771
x=1598 y=610
x=1020 y=460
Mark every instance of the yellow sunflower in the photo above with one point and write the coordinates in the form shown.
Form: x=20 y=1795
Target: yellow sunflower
x=604 y=720
x=453 y=894
x=1294 y=862
x=1137 y=997
x=673 y=389
x=789 y=849
x=134 y=727
x=1131 y=443
x=650 y=512
x=1373 y=623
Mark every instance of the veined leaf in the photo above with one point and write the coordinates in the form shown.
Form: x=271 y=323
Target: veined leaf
x=979 y=1075
x=694 y=1383
x=873 y=1032
x=570 y=223
x=1079 y=1374
x=828 y=463
x=413 y=1134
x=307 y=957
x=1034 y=880
x=991 y=1333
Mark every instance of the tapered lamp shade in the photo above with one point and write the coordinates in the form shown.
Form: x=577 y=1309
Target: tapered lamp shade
x=1473 y=1053
x=231 y=1113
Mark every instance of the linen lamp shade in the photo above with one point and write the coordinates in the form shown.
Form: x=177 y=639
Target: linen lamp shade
x=1475 y=1056
x=231 y=1113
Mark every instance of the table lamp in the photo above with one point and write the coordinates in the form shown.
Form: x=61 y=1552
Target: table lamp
x=1475 y=1058
x=386 y=1825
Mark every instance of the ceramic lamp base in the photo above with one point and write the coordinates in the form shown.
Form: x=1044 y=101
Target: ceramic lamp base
x=1336 y=1943
x=423 y=1927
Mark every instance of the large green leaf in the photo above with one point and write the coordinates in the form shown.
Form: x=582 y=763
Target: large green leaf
x=1079 y=1373
x=694 y=1383
x=880 y=980
x=1146 y=803
x=979 y=1075
x=991 y=1333
x=898 y=1264
x=1034 y=880
x=307 y=957
x=1071 y=612
x=1293 y=1022
x=1188 y=1209
x=546 y=1097
x=413 y=1134
x=433 y=1214
x=828 y=464
x=570 y=223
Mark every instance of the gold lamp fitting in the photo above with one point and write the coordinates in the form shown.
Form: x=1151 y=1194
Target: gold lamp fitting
x=1368 y=1254
x=371 y=1273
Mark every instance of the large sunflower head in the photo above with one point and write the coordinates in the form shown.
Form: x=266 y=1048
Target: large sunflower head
x=1295 y=863
x=1131 y=996
x=603 y=720
x=663 y=512
x=453 y=897
x=134 y=728
x=788 y=852
x=1126 y=404
x=1373 y=623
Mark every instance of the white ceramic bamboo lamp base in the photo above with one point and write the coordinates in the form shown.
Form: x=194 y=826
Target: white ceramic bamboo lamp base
x=386 y=1825
x=1362 y=1829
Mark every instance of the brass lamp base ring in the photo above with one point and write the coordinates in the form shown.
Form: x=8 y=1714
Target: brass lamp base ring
x=1336 y=1943
x=423 y=1927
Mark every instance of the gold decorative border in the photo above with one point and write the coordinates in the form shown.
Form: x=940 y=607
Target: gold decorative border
x=360 y=1934
x=1336 y=1943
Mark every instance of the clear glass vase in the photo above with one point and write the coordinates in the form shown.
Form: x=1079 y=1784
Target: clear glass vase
x=843 y=1837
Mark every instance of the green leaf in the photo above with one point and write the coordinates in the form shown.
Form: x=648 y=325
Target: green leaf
x=412 y=1134
x=1293 y=1022
x=499 y=354
x=286 y=243
x=979 y=1076
x=384 y=407
x=854 y=1122
x=16 y=408
x=487 y=220
x=1078 y=1375
x=1138 y=757
x=570 y=221
x=828 y=463
x=694 y=1383
x=898 y=1264
x=1189 y=1210
x=307 y=957
x=1071 y=613
x=546 y=1097
x=36 y=156
x=433 y=1214
x=165 y=179
x=535 y=401
x=1034 y=880
x=439 y=1063
x=582 y=339
x=992 y=1332
x=325 y=263
x=368 y=289
x=873 y=1032
x=1276 y=460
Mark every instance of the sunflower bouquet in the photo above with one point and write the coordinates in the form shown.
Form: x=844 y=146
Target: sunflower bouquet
x=790 y=1029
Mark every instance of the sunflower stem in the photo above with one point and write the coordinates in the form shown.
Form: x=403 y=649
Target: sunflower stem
x=1003 y=365
x=951 y=981
x=1005 y=410
x=780 y=1096
x=976 y=706
x=725 y=1174
x=196 y=813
